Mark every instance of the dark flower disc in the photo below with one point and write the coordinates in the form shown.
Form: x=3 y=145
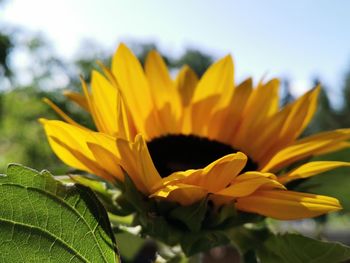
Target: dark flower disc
x=173 y=153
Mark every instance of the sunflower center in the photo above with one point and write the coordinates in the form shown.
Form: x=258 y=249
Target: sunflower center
x=173 y=153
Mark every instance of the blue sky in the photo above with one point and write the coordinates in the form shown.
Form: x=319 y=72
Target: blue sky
x=298 y=39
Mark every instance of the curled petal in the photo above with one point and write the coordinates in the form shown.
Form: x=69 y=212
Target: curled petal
x=246 y=184
x=311 y=169
x=181 y=193
x=287 y=205
x=309 y=146
x=213 y=177
x=137 y=162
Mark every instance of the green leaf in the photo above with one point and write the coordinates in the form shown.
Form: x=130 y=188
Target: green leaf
x=192 y=216
x=295 y=248
x=42 y=220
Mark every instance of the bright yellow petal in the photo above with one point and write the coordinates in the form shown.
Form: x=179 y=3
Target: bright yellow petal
x=300 y=115
x=77 y=98
x=224 y=123
x=213 y=177
x=219 y=173
x=95 y=116
x=109 y=160
x=287 y=205
x=217 y=83
x=311 y=169
x=126 y=124
x=337 y=146
x=262 y=103
x=63 y=115
x=186 y=82
x=268 y=137
x=92 y=165
x=70 y=144
x=248 y=183
x=181 y=193
x=105 y=96
x=309 y=146
x=137 y=162
x=164 y=93
x=136 y=91
x=287 y=125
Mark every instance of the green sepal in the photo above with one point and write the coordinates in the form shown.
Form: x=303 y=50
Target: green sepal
x=134 y=197
x=160 y=228
x=193 y=243
x=227 y=216
x=192 y=216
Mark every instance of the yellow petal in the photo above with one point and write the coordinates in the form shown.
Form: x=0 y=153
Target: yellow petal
x=63 y=115
x=92 y=165
x=105 y=96
x=262 y=103
x=217 y=82
x=300 y=115
x=69 y=143
x=213 y=177
x=248 y=183
x=268 y=137
x=337 y=146
x=137 y=162
x=186 y=82
x=287 y=125
x=109 y=160
x=181 y=193
x=136 y=91
x=95 y=116
x=198 y=112
x=126 y=124
x=287 y=205
x=77 y=98
x=309 y=146
x=224 y=123
x=311 y=169
x=164 y=93
x=219 y=173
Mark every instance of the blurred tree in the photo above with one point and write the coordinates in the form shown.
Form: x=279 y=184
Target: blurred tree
x=196 y=59
x=344 y=113
x=6 y=46
x=22 y=139
x=286 y=95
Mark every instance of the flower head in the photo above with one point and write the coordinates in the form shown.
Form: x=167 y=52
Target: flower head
x=188 y=139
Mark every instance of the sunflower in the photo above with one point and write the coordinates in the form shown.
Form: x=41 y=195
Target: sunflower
x=187 y=139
